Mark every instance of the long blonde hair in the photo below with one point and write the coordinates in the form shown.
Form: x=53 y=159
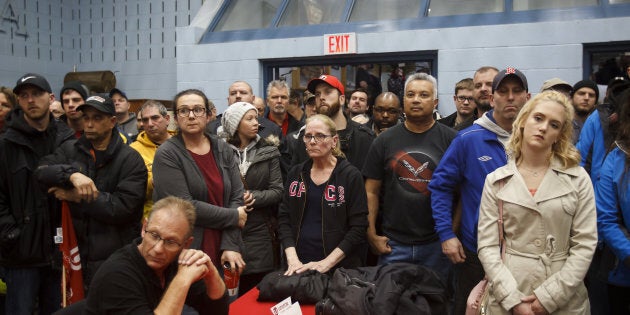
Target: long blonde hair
x=330 y=125
x=563 y=149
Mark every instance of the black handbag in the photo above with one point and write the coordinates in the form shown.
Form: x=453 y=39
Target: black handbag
x=307 y=288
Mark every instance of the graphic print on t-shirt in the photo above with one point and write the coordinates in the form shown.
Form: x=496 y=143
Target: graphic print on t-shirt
x=414 y=171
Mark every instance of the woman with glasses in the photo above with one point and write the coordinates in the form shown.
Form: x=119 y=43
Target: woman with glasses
x=198 y=167
x=323 y=214
x=613 y=210
x=549 y=220
x=259 y=166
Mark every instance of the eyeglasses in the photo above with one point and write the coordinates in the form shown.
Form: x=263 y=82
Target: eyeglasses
x=317 y=137
x=155 y=238
x=185 y=112
x=470 y=99
x=391 y=111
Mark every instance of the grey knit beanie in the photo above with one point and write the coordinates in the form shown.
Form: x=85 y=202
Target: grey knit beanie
x=233 y=115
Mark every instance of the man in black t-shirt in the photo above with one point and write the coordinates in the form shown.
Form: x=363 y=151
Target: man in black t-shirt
x=398 y=167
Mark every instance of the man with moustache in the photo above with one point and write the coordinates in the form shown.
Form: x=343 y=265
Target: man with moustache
x=398 y=168
x=355 y=139
x=386 y=112
x=241 y=91
x=278 y=101
x=482 y=83
x=358 y=106
x=28 y=217
x=104 y=182
x=458 y=181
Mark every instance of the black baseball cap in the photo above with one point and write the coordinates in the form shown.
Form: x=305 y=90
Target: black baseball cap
x=105 y=105
x=510 y=71
x=119 y=91
x=32 y=79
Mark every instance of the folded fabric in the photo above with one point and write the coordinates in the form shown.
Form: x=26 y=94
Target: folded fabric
x=307 y=288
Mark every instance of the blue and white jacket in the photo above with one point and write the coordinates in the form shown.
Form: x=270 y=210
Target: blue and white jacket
x=613 y=212
x=474 y=153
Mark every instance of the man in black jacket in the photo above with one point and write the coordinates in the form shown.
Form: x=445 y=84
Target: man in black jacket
x=27 y=217
x=104 y=182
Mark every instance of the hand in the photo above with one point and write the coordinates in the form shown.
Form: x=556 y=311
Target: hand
x=249 y=200
x=85 y=186
x=65 y=194
x=522 y=309
x=454 y=250
x=537 y=308
x=242 y=216
x=379 y=244
x=191 y=273
x=194 y=257
x=294 y=266
x=234 y=258
x=322 y=266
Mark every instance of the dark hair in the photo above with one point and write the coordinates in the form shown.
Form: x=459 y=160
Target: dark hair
x=189 y=92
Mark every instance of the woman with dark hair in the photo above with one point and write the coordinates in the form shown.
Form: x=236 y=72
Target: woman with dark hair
x=201 y=168
x=259 y=167
x=613 y=210
x=323 y=215
x=8 y=101
x=549 y=218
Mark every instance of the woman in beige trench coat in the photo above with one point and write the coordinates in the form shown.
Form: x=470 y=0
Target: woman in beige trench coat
x=549 y=215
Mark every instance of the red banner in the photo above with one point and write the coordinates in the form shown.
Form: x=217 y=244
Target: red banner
x=72 y=282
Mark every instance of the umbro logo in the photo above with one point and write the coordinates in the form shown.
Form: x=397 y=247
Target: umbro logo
x=484 y=158
x=28 y=78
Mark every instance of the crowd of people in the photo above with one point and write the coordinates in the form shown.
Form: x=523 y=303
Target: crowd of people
x=308 y=181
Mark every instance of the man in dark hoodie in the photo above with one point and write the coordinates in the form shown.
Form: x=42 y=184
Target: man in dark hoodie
x=28 y=218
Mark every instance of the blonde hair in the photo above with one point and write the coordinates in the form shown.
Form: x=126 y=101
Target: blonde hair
x=184 y=207
x=330 y=125
x=563 y=149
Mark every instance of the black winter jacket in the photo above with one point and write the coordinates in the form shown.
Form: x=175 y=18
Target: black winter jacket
x=28 y=216
x=344 y=211
x=113 y=219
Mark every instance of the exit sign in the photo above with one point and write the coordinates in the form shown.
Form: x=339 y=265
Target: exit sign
x=344 y=43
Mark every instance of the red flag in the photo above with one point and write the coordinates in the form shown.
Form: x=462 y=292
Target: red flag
x=72 y=282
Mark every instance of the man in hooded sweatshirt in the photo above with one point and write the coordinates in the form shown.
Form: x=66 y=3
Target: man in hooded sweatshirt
x=476 y=151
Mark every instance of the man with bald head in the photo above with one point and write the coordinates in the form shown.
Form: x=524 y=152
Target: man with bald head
x=386 y=112
x=241 y=91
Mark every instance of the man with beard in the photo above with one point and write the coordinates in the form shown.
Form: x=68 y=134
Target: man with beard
x=355 y=139
x=482 y=94
x=458 y=181
x=584 y=99
x=358 y=106
x=386 y=112
x=399 y=167
x=28 y=218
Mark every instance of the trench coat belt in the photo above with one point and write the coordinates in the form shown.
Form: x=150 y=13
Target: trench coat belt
x=546 y=258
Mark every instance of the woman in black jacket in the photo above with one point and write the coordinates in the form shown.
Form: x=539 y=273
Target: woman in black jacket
x=259 y=166
x=323 y=215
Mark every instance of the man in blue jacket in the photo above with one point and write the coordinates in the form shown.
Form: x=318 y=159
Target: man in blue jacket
x=474 y=153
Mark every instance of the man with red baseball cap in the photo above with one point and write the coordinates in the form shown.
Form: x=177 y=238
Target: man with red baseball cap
x=355 y=138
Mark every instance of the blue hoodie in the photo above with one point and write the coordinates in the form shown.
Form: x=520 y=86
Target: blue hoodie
x=474 y=153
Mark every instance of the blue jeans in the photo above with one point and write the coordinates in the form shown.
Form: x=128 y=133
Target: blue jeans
x=27 y=286
x=427 y=255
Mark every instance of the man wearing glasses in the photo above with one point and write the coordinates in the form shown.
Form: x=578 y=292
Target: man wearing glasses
x=386 y=112
x=157 y=273
x=104 y=182
x=465 y=106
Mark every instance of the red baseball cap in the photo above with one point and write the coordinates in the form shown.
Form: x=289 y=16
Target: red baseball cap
x=328 y=79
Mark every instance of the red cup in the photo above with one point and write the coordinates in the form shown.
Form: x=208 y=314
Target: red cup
x=231 y=278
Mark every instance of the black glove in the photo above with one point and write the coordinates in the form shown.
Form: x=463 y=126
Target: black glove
x=10 y=236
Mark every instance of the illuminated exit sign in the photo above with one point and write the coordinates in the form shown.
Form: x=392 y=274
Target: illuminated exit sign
x=344 y=43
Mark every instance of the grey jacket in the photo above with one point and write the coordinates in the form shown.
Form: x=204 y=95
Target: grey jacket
x=175 y=173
